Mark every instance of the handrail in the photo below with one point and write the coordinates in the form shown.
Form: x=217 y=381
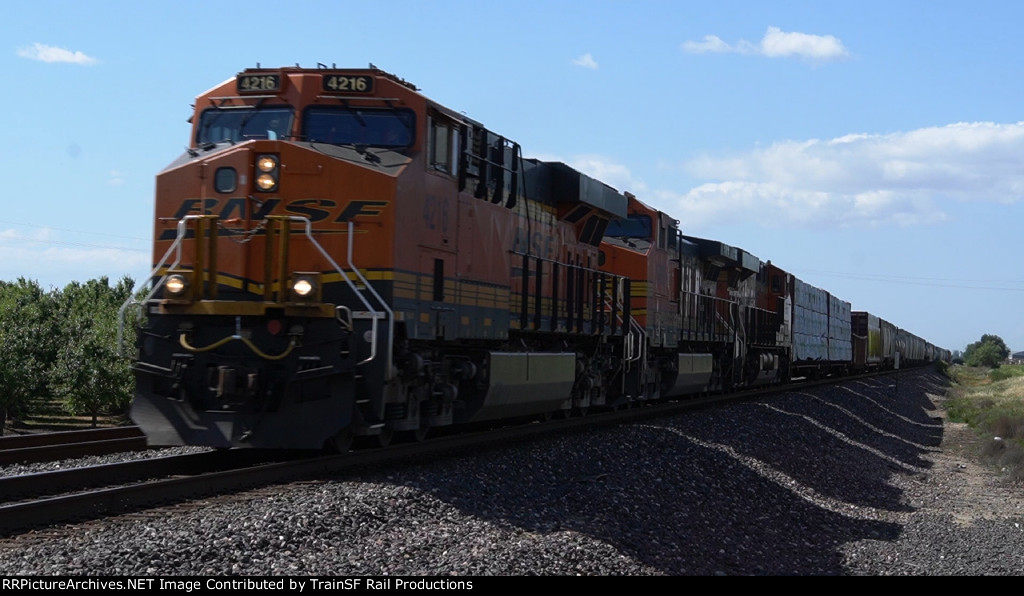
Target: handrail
x=374 y=314
x=614 y=301
x=639 y=333
x=370 y=312
x=131 y=301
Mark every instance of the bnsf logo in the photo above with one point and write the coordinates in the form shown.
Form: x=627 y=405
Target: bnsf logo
x=315 y=210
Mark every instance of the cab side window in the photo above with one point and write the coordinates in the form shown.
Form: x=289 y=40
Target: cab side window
x=443 y=146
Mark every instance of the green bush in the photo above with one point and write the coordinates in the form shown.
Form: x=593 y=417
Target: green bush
x=992 y=402
x=990 y=351
x=1007 y=372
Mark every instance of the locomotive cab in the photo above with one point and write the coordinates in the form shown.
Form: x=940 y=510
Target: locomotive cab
x=260 y=328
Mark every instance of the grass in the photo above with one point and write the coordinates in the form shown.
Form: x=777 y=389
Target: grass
x=992 y=402
x=49 y=416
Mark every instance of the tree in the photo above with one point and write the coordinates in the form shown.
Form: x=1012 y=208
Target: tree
x=990 y=351
x=88 y=375
x=27 y=346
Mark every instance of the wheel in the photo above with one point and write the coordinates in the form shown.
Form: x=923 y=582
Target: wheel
x=416 y=436
x=341 y=442
x=383 y=439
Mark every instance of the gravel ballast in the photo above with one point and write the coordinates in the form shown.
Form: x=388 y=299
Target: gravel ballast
x=864 y=478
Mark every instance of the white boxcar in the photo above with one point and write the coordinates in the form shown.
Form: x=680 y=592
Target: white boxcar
x=821 y=326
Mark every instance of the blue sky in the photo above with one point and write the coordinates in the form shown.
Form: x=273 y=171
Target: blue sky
x=874 y=149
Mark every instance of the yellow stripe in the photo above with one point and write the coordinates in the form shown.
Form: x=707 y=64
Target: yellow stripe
x=242 y=308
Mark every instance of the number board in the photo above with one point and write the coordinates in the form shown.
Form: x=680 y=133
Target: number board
x=340 y=83
x=259 y=83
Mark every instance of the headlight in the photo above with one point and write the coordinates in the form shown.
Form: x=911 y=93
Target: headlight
x=266 y=163
x=266 y=182
x=269 y=170
x=305 y=286
x=176 y=285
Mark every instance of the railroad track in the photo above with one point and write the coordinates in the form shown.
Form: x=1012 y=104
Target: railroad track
x=91 y=492
x=42 y=447
x=80 y=494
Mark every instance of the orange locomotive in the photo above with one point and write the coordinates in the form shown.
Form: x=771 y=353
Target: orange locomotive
x=337 y=256
x=697 y=316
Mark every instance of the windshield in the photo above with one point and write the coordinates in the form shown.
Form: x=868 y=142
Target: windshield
x=637 y=226
x=373 y=127
x=242 y=124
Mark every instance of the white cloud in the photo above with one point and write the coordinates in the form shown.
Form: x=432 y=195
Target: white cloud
x=45 y=53
x=586 y=61
x=776 y=44
x=116 y=178
x=861 y=179
x=711 y=43
x=41 y=255
x=14 y=237
x=856 y=180
x=816 y=47
x=611 y=173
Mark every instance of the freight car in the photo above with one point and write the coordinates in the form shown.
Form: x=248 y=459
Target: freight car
x=337 y=256
x=874 y=342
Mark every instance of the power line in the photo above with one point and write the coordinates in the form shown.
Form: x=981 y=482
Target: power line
x=18 y=223
x=921 y=281
x=899 y=277
x=20 y=240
